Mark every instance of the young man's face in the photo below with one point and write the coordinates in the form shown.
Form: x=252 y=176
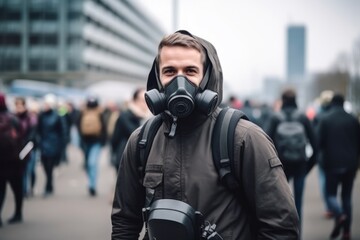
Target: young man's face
x=177 y=60
x=19 y=106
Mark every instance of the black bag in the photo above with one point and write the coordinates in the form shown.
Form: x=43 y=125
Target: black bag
x=168 y=217
x=290 y=138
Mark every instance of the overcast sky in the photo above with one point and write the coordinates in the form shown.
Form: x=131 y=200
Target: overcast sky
x=250 y=35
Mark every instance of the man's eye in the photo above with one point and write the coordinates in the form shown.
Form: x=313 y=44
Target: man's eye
x=168 y=71
x=191 y=71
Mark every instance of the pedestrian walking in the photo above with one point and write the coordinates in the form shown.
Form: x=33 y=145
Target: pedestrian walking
x=11 y=167
x=324 y=107
x=51 y=133
x=28 y=121
x=291 y=131
x=129 y=120
x=92 y=131
x=339 y=140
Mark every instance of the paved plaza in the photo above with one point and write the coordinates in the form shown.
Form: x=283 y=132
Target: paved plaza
x=71 y=214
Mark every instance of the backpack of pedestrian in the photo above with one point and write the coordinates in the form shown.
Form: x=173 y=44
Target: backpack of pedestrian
x=290 y=137
x=91 y=123
x=9 y=136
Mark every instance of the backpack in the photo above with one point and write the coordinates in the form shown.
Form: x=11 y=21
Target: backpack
x=290 y=138
x=90 y=124
x=9 y=136
x=222 y=145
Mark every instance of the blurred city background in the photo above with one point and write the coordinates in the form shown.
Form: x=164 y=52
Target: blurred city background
x=80 y=48
x=73 y=48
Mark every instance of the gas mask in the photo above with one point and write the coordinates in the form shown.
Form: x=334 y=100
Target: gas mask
x=180 y=98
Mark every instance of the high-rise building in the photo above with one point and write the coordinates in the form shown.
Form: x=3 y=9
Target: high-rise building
x=296 y=53
x=76 y=40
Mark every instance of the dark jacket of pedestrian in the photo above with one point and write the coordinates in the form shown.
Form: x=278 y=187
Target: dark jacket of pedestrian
x=52 y=133
x=339 y=139
x=28 y=122
x=124 y=126
x=188 y=174
x=10 y=164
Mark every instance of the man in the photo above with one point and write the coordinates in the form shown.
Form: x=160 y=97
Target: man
x=295 y=168
x=51 y=131
x=324 y=107
x=180 y=164
x=339 y=141
x=28 y=121
x=92 y=131
x=128 y=121
x=11 y=168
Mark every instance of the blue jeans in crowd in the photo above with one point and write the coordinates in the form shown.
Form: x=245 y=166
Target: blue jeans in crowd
x=344 y=178
x=92 y=154
x=29 y=173
x=297 y=173
x=323 y=188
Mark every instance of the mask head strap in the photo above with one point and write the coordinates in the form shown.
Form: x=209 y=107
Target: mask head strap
x=206 y=78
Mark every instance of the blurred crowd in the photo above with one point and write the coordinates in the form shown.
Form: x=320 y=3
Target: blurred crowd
x=43 y=130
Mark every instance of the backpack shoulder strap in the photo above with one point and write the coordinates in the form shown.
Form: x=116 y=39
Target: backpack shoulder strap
x=223 y=145
x=145 y=140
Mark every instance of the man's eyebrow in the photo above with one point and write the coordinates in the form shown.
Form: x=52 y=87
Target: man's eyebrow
x=192 y=67
x=167 y=68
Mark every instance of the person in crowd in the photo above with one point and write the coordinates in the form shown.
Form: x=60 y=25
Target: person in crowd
x=28 y=121
x=11 y=168
x=64 y=113
x=291 y=131
x=72 y=118
x=92 y=129
x=339 y=141
x=265 y=114
x=51 y=134
x=324 y=107
x=180 y=165
x=127 y=122
x=111 y=113
x=234 y=102
x=248 y=109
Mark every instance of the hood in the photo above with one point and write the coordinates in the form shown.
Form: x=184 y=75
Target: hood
x=215 y=82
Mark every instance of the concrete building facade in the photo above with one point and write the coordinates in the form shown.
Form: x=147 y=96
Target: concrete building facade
x=76 y=42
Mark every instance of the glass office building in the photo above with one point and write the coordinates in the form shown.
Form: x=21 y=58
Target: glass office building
x=76 y=41
x=296 y=53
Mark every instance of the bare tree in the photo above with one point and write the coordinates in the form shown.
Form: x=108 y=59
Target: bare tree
x=356 y=58
x=355 y=83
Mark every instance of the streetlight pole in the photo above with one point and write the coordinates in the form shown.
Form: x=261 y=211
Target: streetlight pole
x=175 y=14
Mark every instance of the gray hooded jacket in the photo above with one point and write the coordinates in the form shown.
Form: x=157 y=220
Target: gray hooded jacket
x=182 y=168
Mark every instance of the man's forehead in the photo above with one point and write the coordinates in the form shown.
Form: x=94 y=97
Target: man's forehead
x=179 y=54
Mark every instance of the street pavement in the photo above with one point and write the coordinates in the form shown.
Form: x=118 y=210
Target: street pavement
x=71 y=214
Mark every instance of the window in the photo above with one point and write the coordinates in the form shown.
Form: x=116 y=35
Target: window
x=10 y=39
x=43 y=39
x=43 y=15
x=43 y=64
x=12 y=15
x=9 y=64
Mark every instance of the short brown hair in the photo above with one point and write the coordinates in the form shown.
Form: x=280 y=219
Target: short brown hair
x=182 y=40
